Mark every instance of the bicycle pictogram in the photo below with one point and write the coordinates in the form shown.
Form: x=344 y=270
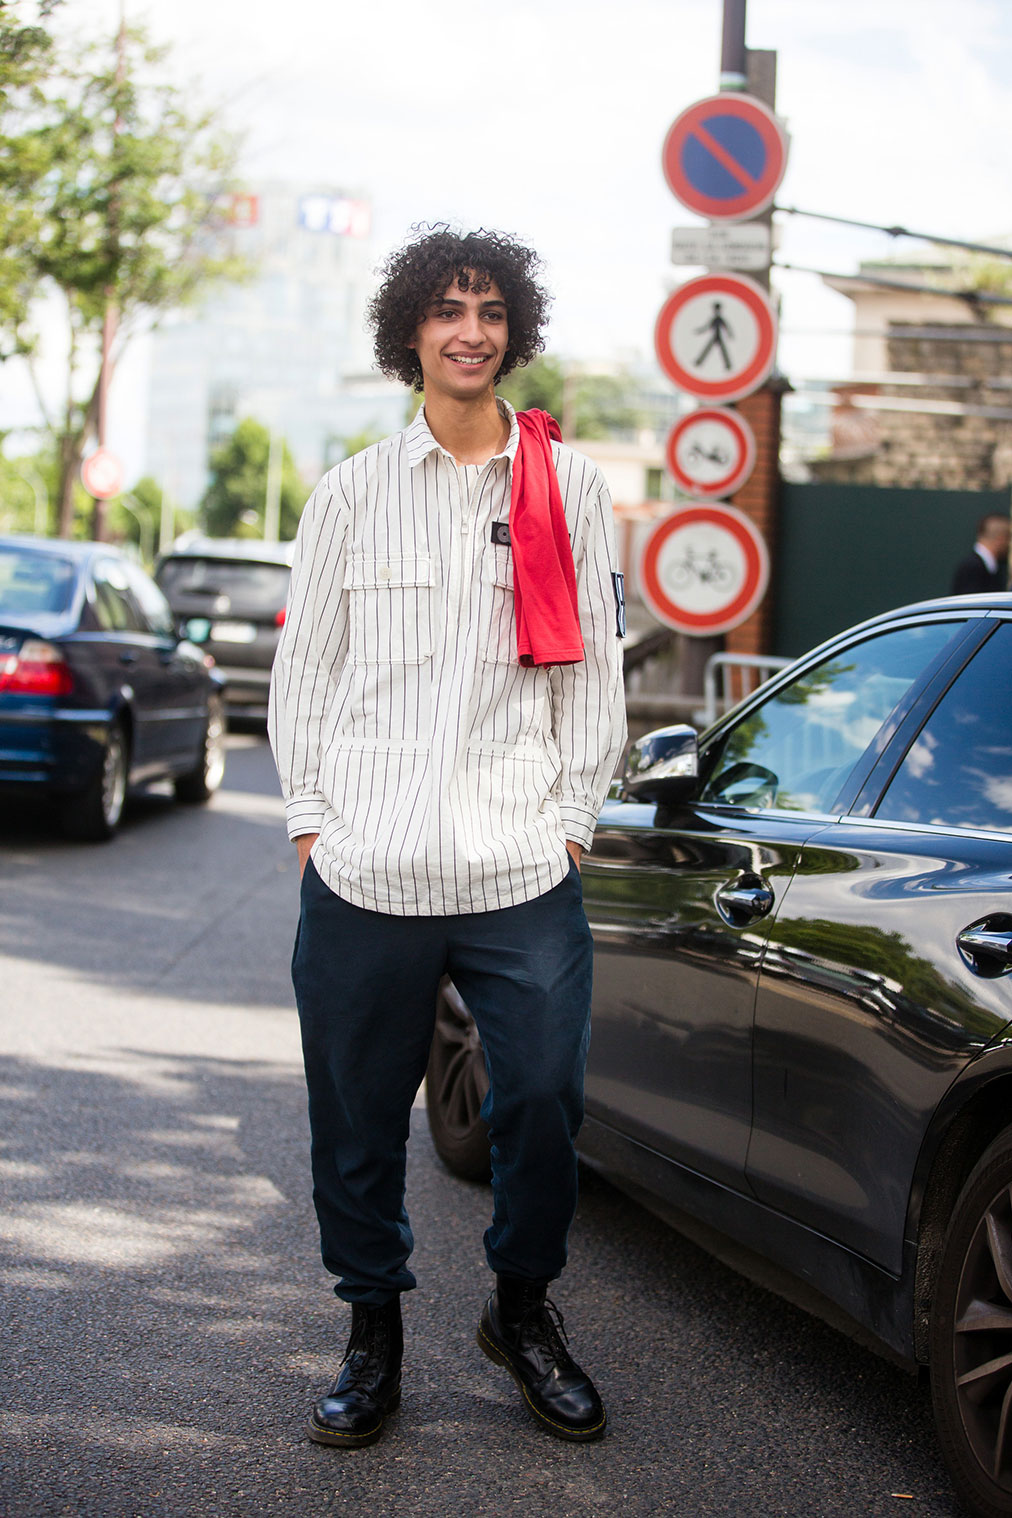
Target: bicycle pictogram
x=700 y=569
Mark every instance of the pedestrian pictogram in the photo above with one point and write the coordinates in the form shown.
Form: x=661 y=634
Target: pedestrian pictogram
x=725 y=156
x=716 y=337
x=102 y=474
x=711 y=452
x=704 y=569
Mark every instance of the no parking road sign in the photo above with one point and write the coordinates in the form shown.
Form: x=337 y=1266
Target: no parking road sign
x=725 y=156
x=704 y=569
x=711 y=452
x=716 y=337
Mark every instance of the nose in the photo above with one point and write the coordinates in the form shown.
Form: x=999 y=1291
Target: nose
x=470 y=329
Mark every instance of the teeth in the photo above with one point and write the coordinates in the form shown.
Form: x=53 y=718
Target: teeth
x=458 y=358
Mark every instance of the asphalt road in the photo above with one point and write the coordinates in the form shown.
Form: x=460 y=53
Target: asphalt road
x=165 y=1319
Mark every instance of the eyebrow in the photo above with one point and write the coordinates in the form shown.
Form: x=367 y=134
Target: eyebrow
x=485 y=304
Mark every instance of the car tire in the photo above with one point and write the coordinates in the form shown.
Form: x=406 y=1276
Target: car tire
x=200 y=784
x=971 y=1337
x=93 y=815
x=456 y=1083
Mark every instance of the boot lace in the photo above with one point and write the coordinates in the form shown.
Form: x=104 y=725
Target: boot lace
x=544 y=1324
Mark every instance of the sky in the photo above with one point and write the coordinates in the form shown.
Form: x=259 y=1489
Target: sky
x=546 y=118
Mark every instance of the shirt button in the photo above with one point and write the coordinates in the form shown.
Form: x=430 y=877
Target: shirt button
x=465 y=526
x=385 y=572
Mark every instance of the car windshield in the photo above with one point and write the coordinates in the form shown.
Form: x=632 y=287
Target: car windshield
x=33 y=582
x=250 y=587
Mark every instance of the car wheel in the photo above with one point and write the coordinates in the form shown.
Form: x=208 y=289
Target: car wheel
x=456 y=1082
x=971 y=1337
x=200 y=784
x=93 y=815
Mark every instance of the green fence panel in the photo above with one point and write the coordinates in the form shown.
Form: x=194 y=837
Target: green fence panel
x=846 y=552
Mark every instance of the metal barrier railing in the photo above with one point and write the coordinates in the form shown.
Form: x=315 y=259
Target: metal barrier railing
x=753 y=670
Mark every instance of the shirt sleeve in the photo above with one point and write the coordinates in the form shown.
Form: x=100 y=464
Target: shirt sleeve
x=311 y=650
x=588 y=699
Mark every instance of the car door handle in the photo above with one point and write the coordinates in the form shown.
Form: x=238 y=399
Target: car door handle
x=988 y=951
x=744 y=901
x=129 y=656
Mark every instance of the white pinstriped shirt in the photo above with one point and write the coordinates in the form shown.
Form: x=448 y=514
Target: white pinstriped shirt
x=442 y=776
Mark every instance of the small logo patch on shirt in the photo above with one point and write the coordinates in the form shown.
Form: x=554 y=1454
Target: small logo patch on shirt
x=618 y=584
x=501 y=534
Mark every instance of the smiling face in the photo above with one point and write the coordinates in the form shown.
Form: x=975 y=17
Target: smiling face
x=461 y=341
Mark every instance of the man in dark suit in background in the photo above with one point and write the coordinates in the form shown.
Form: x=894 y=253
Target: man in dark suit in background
x=987 y=567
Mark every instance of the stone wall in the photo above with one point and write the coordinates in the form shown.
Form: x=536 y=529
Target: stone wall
x=948 y=428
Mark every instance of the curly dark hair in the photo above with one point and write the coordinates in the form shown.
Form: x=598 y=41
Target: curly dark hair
x=432 y=260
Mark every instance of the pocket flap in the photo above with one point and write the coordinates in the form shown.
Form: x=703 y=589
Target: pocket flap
x=368 y=573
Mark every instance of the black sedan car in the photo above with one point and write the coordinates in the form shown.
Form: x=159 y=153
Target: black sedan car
x=229 y=595
x=802 y=1028
x=97 y=692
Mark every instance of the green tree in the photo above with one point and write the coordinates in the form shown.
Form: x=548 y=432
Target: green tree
x=26 y=56
x=234 y=502
x=585 y=405
x=122 y=185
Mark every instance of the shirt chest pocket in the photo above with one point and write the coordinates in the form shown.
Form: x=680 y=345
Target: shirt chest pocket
x=498 y=621
x=390 y=609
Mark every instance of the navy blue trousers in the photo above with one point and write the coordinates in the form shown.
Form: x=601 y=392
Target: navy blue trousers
x=366 y=986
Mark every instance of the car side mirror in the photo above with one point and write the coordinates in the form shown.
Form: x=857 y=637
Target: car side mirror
x=663 y=766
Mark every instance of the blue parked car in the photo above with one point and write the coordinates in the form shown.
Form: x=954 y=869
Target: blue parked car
x=97 y=690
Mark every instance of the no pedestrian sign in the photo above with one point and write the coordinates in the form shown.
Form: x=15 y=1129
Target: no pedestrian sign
x=711 y=452
x=704 y=569
x=716 y=337
x=725 y=156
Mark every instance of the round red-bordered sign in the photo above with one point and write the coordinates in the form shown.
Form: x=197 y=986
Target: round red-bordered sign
x=704 y=569
x=102 y=474
x=716 y=337
x=725 y=156
x=711 y=452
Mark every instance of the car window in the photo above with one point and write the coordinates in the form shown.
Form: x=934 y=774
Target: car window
x=958 y=770
x=34 y=582
x=795 y=751
x=113 y=607
x=153 y=605
x=224 y=586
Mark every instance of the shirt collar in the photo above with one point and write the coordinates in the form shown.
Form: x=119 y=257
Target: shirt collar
x=987 y=556
x=420 y=442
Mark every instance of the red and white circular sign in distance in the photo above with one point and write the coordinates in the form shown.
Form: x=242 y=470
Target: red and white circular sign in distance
x=716 y=337
x=704 y=569
x=102 y=474
x=711 y=452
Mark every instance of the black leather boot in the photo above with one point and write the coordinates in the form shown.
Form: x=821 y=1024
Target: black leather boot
x=522 y=1330
x=368 y=1386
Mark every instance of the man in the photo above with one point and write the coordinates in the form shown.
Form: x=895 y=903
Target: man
x=447 y=710
x=987 y=566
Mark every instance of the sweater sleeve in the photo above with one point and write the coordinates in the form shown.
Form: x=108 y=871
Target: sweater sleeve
x=311 y=649
x=588 y=699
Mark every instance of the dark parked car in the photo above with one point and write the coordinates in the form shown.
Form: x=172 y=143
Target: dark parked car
x=229 y=595
x=97 y=691
x=803 y=1003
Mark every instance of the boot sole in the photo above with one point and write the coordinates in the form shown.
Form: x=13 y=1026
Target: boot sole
x=337 y=1440
x=560 y=1430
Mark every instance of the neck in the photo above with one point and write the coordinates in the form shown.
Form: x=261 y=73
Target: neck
x=471 y=430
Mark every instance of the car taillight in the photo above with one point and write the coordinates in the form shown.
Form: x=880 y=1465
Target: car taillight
x=38 y=669
x=279 y=620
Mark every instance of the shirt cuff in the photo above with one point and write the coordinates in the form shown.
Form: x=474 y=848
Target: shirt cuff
x=578 y=823
x=304 y=814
